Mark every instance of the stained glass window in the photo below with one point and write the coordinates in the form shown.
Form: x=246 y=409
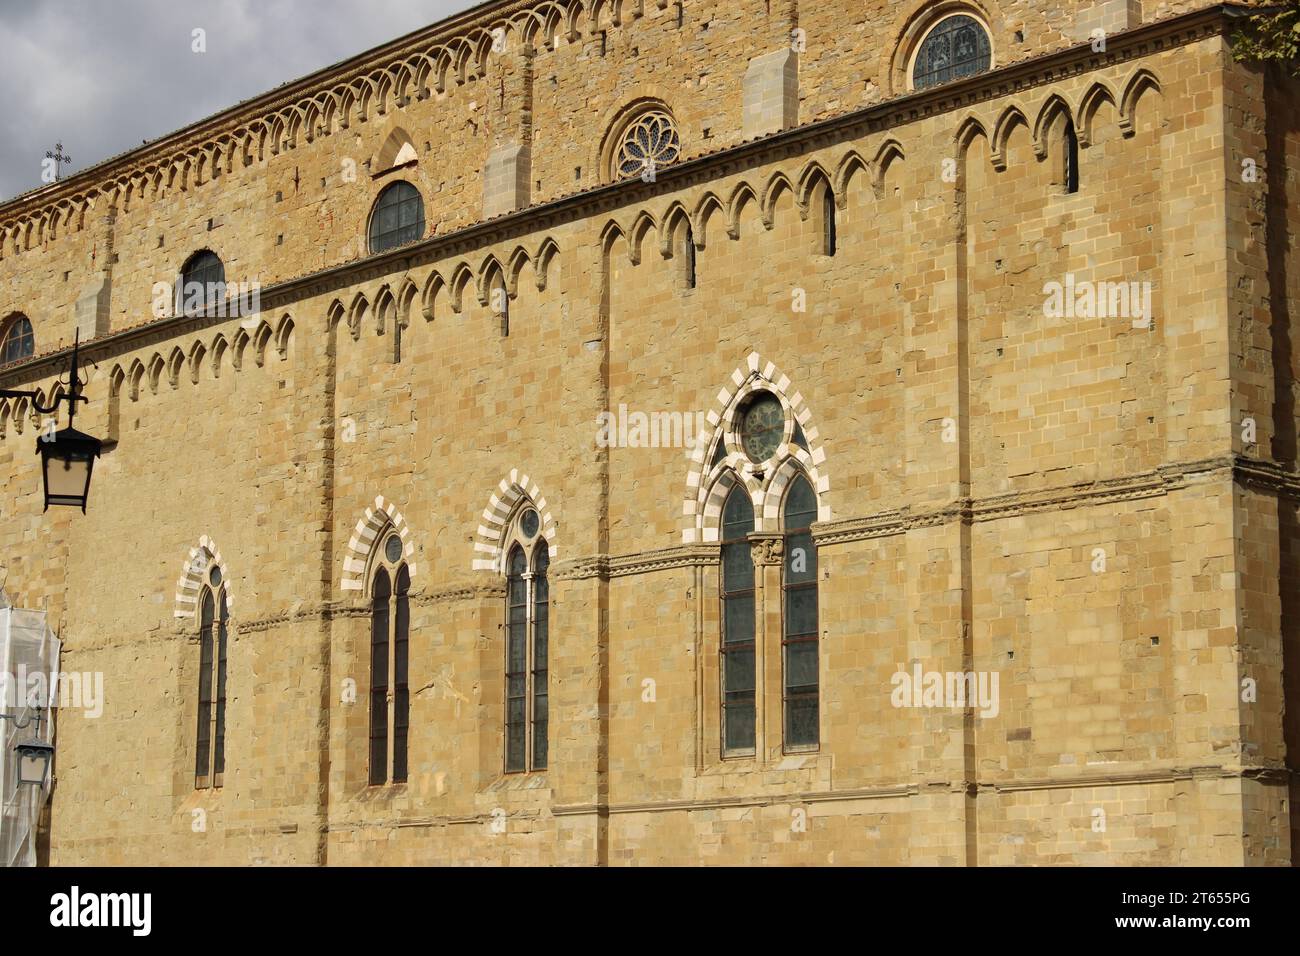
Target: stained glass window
x=737 y=651
x=799 y=638
x=647 y=144
x=956 y=47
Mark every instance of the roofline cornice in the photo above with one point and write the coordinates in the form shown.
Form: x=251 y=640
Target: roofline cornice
x=1050 y=67
x=234 y=117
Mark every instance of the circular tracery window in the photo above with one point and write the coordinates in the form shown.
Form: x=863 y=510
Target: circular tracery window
x=393 y=549
x=957 y=46
x=529 y=523
x=761 y=426
x=648 y=143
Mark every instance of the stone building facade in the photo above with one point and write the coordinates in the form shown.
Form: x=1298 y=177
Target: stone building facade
x=503 y=533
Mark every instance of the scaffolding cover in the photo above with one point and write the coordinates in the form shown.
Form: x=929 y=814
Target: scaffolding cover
x=29 y=667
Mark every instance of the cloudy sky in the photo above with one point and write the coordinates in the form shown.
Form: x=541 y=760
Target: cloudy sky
x=100 y=76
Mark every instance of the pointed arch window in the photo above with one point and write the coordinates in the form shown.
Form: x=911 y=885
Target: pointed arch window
x=829 y=238
x=16 y=339
x=1071 y=158
x=210 y=748
x=528 y=596
x=688 y=260
x=390 y=623
x=799 y=655
x=737 y=648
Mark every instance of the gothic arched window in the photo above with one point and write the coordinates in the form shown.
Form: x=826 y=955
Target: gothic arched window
x=737 y=648
x=398 y=217
x=202 y=285
x=799 y=616
x=16 y=339
x=210 y=749
x=955 y=47
x=527 y=646
x=829 y=238
x=390 y=623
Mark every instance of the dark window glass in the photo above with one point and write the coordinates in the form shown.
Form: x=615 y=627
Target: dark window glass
x=737 y=650
x=541 y=614
x=1071 y=158
x=203 y=749
x=799 y=639
x=398 y=217
x=516 y=660
x=828 y=221
x=379 y=679
x=203 y=280
x=19 y=342
x=219 y=737
x=688 y=250
x=401 y=696
x=957 y=47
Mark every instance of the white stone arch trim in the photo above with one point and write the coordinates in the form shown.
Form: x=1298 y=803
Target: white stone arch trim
x=702 y=505
x=365 y=539
x=774 y=501
x=194 y=577
x=489 y=553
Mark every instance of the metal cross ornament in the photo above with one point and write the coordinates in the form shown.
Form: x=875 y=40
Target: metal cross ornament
x=59 y=158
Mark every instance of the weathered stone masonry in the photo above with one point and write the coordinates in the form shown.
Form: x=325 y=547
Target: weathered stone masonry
x=971 y=456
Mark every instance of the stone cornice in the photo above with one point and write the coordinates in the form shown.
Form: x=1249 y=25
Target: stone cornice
x=599 y=566
x=1015 y=77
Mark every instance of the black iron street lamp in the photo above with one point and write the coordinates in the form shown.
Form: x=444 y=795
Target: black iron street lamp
x=68 y=457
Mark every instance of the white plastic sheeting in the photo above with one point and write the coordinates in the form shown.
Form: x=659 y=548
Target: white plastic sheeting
x=29 y=666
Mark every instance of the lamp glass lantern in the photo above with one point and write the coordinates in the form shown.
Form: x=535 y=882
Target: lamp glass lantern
x=67 y=460
x=34 y=758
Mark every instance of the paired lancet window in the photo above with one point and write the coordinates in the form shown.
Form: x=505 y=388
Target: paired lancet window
x=390 y=625
x=527 y=709
x=210 y=749
x=763 y=432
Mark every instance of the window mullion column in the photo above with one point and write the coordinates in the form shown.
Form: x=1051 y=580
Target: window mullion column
x=766 y=550
x=529 y=614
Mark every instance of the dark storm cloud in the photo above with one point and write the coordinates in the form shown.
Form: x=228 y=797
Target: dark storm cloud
x=100 y=76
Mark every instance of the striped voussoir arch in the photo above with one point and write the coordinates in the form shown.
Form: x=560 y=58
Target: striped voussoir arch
x=502 y=505
x=364 y=538
x=707 y=486
x=194 y=574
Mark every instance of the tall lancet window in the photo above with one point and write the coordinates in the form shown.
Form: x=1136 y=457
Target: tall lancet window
x=737 y=648
x=390 y=622
x=528 y=598
x=210 y=749
x=799 y=637
x=829 y=239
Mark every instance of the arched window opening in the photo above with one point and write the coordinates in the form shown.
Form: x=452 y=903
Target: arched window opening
x=379 y=661
x=737 y=647
x=956 y=47
x=1071 y=158
x=210 y=748
x=390 y=626
x=17 y=340
x=202 y=288
x=528 y=597
x=500 y=302
x=799 y=658
x=688 y=257
x=516 y=659
x=829 y=238
x=398 y=217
